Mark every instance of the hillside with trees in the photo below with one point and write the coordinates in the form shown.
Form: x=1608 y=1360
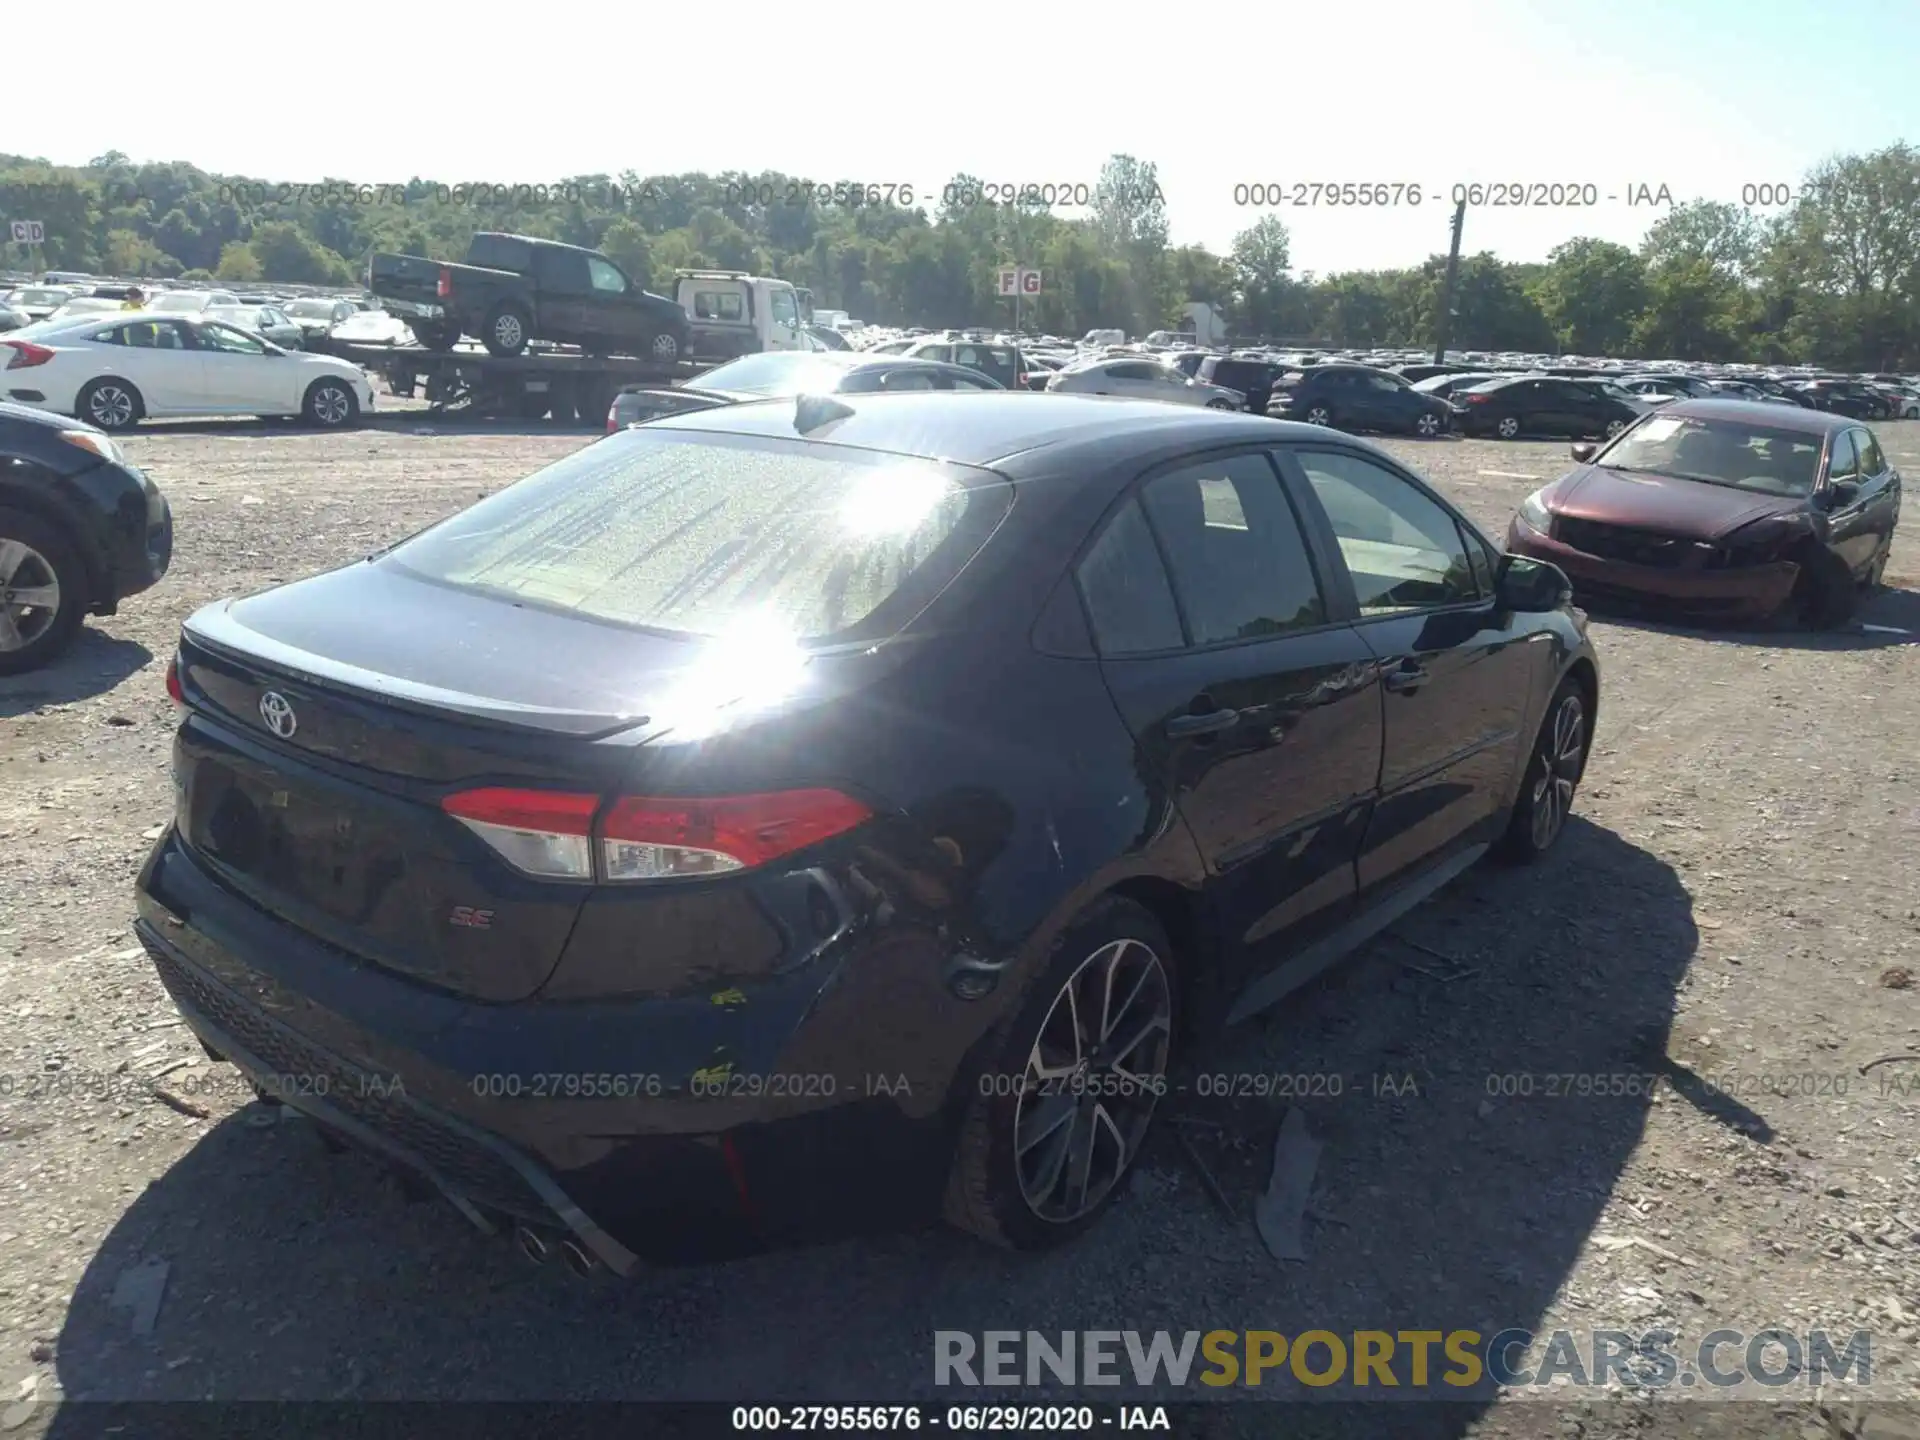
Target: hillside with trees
x=1832 y=279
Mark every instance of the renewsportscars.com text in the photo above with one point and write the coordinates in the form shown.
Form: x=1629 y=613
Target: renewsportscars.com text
x=1383 y=1361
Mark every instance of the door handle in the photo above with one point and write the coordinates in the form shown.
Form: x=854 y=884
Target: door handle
x=1211 y=722
x=1406 y=679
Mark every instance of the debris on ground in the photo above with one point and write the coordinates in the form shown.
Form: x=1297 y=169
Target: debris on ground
x=1281 y=1212
x=139 y=1290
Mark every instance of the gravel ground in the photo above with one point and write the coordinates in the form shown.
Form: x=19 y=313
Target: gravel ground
x=1732 y=907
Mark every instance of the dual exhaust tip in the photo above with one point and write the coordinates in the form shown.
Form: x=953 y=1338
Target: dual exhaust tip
x=538 y=1249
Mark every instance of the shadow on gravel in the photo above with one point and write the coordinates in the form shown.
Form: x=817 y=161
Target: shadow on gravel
x=1460 y=1200
x=1887 y=618
x=94 y=665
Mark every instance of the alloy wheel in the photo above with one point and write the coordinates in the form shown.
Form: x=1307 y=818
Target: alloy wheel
x=1614 y=427
x=330 y=404
x=665 y=347
x=1427 y=425
x=1563 y=749
x=29 y=594
x=507 y=330
x=1509 y=427
x=110 y=406
x=1318 y=416
x=1092 y=1077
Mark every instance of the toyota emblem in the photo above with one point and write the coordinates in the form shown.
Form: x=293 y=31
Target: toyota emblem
x=278 y=714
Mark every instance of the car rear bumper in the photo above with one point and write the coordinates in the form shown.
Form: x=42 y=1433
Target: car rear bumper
x=1751 y=593
x=491 y=1103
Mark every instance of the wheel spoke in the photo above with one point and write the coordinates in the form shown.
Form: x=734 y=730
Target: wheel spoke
x=12 y=555
x=10 y=636
x=1110 y=1020
x=1080 y=1163
x=1049 y=1113
x=1153 y=1025
x=1054 y=1164
x=41 y=597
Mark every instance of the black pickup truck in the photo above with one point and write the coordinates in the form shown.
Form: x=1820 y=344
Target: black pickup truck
x=516 y=288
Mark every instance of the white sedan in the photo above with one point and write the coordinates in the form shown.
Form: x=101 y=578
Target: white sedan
x=114 y=371
x=1144 y=379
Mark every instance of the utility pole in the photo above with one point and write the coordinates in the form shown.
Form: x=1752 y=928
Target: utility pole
x=1446 y=287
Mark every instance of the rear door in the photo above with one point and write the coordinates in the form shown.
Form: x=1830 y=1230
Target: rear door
x=563 y=294
x=1879 y=503
x=1253 y=701
x=1456 y=670
x=608 y=312
x=158 y=357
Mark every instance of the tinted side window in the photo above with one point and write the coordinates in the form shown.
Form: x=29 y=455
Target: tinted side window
x=1238 y=559
x=605 y=277
x=913 y=378
x=1132 y=372
x=1843 y=463
x=1872 y=462
x=1403 y=550
x=1125 y=587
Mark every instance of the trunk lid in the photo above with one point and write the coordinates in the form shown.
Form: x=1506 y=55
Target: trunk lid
x=310 y=779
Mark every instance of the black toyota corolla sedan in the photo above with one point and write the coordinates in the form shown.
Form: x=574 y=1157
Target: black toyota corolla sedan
x=819 y=814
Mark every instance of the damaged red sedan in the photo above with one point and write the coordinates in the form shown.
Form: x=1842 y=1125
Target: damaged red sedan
x=1722 y=509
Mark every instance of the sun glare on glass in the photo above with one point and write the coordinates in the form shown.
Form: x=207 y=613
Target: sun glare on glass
x=895 y=501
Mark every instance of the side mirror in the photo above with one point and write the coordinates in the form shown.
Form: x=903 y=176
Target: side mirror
x=1528 y=585
x=1584 y=451
x=1842 y=494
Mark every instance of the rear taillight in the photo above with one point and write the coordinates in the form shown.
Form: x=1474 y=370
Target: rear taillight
x=1475 y=399
x=540 y=832
x=553 y=835
x=651 y=839
x=175 y=691
x=612 y=424
x=445 y=287
x=26 y=353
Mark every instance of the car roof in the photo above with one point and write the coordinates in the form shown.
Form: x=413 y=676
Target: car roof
x=987 y=429
x=1780 y=417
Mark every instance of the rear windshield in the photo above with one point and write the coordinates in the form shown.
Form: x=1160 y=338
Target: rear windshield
x=1002 y=362
x=701 y=534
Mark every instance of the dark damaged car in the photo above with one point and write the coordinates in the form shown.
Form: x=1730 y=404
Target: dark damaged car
x=1722 y=509
x=812 y=815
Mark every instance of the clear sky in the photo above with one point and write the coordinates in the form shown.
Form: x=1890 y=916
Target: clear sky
x=1702 y=96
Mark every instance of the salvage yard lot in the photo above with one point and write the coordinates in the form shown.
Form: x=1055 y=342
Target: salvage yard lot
x=1735 y=901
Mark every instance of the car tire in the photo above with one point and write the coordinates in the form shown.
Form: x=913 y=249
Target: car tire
x=110 y=403
x=330 y=404
x=434 y=337
x=1220 y=405
x=990 y=1183
x=665 y=348
x=1614 y=427
x=1508 y=427
x=506 y=329
x=33 y=554
x=1428 y=426
x=1319 y=415
x=1824 y=593
x=1555 y=764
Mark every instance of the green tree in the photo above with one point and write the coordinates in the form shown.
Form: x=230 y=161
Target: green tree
x=1591 y=292
x=238 y=262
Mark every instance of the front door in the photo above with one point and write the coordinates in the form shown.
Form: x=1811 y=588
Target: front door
x=1252 y=701
x=1455 y=669
x=244 y=376
x=783 y=318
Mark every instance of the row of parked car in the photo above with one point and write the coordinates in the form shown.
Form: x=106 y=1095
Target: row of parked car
x=1476 y=394
x=286 y=321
